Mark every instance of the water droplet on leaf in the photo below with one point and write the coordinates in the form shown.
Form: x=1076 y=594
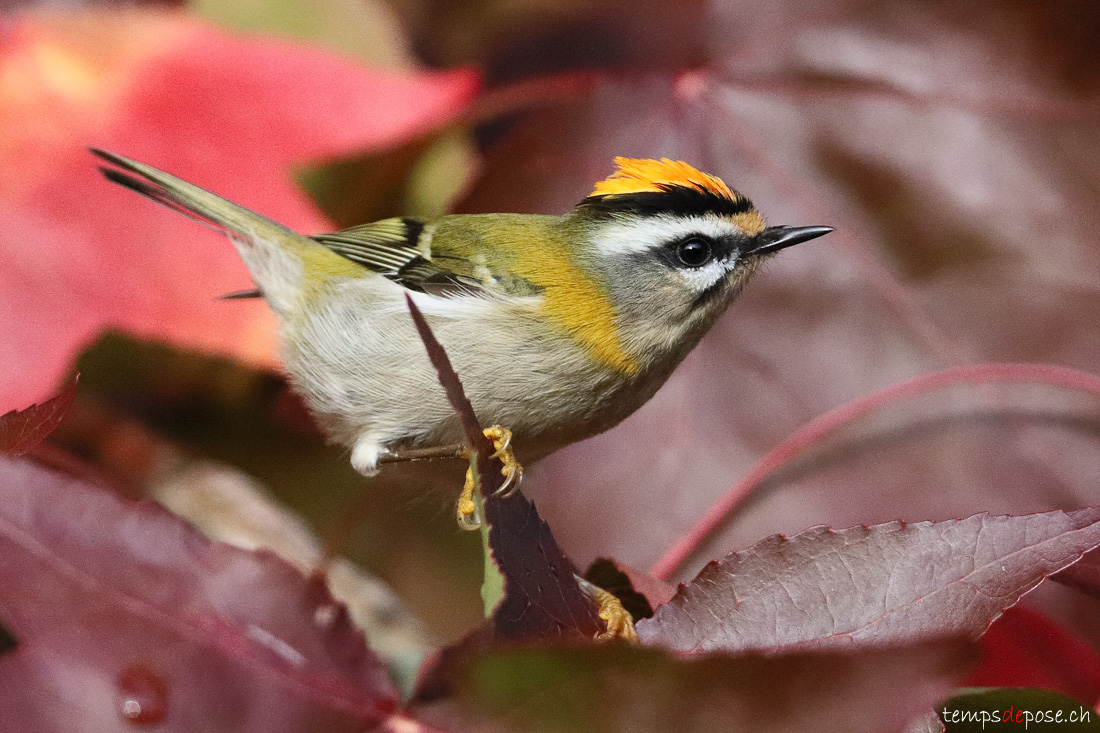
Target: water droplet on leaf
x=143 y=695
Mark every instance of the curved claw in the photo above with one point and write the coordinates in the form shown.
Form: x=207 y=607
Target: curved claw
x=618 y=622
x=514 y=473
x=505 y=443
x=469 y=521
x=512 y=470
x=468 y=513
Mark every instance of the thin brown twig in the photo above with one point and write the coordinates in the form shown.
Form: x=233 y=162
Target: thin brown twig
x=435 y=453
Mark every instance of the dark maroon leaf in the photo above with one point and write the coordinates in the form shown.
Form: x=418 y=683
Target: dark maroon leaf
x=515 y=39
x=890 y=583
x=457 y=397
x=816 y=434
x=541 y=595
x=607 y=688
x=22 y=431
x=124 y=613
x=541 y=600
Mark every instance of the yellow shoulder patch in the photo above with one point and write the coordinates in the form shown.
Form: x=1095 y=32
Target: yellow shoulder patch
x=573 y=300
x=639 y=175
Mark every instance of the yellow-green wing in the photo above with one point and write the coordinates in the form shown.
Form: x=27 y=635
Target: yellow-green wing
x=391 y=248
x=398 y=249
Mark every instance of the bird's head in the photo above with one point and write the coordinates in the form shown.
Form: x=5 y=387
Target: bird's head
x=673 y=247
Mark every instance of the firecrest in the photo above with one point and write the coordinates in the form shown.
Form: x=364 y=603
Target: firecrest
x=559 y=326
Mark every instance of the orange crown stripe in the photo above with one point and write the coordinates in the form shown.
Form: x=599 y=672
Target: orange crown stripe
x=639 y=175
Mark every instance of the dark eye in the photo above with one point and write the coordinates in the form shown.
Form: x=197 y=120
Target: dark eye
x=694 y=252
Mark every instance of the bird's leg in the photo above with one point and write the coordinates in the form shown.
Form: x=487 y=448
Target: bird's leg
x=619 y=624
x=467 y=513
x=467 y=510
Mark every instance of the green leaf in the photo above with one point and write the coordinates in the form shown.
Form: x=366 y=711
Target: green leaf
x=492 y=584
x=604 y=688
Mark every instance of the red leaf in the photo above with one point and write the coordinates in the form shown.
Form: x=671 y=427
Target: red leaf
x=121 y=610
x=890 y=583
x=609 y=688
x=21 y=431
x=233 y=113
x=1024 y=648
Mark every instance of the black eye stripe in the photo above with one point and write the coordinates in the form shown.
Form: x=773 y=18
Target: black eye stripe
x=722 y=247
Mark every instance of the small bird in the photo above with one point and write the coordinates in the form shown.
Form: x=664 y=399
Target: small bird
x=559 y=326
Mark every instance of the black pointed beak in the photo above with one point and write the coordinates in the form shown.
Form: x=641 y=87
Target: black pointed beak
x=774 y=239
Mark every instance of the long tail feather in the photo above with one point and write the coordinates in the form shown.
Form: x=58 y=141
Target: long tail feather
x=275 y=255
x=187 y=198
x=158 y=194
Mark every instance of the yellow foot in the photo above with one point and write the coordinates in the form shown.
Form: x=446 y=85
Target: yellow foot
x=468 y=515
x=469 y=518
x=511 y=470
x=617 y=620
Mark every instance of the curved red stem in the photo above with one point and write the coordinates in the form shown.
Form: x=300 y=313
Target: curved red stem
x=830 y=422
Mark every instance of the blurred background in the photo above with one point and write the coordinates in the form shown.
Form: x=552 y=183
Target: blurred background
x=955 y=146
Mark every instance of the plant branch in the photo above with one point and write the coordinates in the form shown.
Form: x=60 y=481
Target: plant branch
x=824 y=426
x=435 y=453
